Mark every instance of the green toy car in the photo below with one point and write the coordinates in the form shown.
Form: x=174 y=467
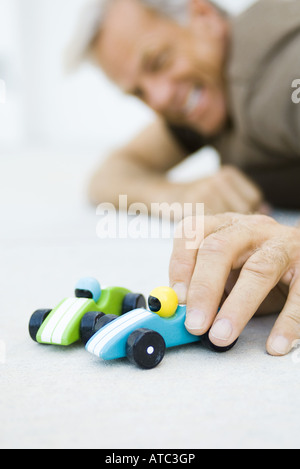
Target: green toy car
x=76 y=318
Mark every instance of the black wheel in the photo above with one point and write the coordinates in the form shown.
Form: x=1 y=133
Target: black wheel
x=205 y=340
x=145 y=348
x=36 y=321
x=133 y=301
x=100 y=322
x=89 y=325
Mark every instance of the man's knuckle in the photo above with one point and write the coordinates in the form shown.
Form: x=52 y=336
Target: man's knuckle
x=262 y=220
x=200 y=289
x=268 y=262
x=185 y=228
x=293 y=317
x=259 y=269
x=178 y=263
x=275 y=252
x=216 y=243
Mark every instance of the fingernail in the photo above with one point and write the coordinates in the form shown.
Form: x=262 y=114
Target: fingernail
x=281 y=345
x=195 y=320
x=181 y=292
x=222 y=329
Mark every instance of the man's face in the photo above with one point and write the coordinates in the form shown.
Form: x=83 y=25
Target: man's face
x=176 y=70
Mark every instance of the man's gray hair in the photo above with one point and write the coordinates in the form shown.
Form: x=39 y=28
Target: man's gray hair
x=93 y=16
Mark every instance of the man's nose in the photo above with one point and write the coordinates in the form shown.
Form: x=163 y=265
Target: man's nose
x=159 y=93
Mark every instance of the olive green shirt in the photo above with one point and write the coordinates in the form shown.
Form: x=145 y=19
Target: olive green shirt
x=263 y=135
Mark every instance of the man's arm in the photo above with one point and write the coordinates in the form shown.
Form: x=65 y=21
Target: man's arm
x=140 y=171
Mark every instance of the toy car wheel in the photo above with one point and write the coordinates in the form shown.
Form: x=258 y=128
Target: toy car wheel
x=145 y=348
x=133 y=301
x=36 y=322
x=89 y=325
x=205 y=340
x=102 y=321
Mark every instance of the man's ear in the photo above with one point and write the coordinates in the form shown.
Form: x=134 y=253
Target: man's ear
x=204 y=13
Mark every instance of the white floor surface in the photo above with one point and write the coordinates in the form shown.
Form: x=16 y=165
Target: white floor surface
x=52 y=397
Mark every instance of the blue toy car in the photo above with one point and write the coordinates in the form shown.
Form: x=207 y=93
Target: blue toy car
x=143 y=335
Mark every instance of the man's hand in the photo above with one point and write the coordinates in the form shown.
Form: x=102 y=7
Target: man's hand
x=229 y=190
x=253 y=260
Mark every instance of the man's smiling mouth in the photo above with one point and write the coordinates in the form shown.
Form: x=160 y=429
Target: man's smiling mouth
x=193 y=102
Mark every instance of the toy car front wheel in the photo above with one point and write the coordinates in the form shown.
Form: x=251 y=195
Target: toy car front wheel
x=145 y=348
x=36 y=322
x=133 y=301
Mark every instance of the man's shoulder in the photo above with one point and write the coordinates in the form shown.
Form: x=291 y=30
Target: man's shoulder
x=266 y=44
x=259 y=31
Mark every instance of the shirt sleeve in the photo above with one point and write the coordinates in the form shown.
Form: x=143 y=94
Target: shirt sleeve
x=272 y=117
x=295 y=111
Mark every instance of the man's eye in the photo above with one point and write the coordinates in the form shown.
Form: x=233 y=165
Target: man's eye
x=159 y=62
x=138 y=93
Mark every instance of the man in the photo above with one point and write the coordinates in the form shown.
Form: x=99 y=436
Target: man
x=214 y=80
x=226 y=82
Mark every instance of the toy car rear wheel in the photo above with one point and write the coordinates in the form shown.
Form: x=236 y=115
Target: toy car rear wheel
x=100 y=321
x=145 y=348
x=133 y=301
x=89 y=325
x=36 y=321
x=205 y=340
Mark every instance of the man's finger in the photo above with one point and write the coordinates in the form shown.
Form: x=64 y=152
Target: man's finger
x=286 y=330
x=258 y=277
x=188 y=237
x=183 y=260
x=220 y=252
